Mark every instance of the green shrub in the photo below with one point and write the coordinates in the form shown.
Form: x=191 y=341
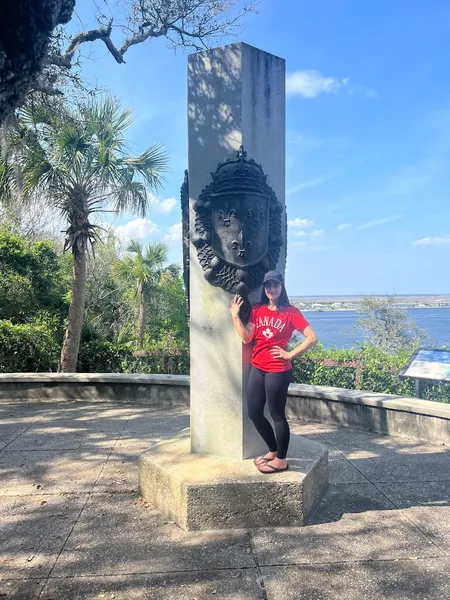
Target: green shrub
x=367 y=368
x=32 y=280
x=27 y=348
x=159 y=360
x=100 y=356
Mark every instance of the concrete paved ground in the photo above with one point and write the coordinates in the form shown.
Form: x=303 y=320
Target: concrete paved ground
x=72 y=526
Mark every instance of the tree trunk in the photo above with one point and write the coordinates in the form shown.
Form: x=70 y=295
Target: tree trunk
x=141 y=318
x=71 y=344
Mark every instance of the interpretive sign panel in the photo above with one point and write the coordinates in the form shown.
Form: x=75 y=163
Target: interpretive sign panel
x=428 y=364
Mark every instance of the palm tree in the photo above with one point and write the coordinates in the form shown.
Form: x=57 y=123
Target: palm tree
x=78 y=159
x=148 y=271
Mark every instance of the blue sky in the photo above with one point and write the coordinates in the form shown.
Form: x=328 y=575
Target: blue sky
x=368 y=138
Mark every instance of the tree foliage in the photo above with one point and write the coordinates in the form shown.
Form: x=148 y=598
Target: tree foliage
x=147 y=271
x=188 y=23
x=387 y=326
x=33 y=282
x=26 y=27
x=78 y=160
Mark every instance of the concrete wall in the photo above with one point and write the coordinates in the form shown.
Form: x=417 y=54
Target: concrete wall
x=381 y=413
x=156 y=390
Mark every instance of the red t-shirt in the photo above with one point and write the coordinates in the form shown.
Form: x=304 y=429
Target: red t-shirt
x=274 y=328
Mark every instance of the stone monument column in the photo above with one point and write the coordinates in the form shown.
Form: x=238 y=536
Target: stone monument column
x=206 y=479
x=236 y=97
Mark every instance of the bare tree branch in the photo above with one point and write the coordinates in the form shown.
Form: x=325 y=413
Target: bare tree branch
x=187 y=23
x=102 y=33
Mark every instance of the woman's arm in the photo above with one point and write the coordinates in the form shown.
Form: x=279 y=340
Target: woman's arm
x=309 y=341
x=245 y=332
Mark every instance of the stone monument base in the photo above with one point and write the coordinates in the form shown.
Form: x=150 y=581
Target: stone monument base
x=200 y=491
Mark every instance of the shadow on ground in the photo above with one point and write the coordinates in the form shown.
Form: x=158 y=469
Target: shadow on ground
x=72 y=524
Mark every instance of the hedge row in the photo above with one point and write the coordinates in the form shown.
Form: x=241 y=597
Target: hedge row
x=32 y=348
x=27 y=348
x=366 y=369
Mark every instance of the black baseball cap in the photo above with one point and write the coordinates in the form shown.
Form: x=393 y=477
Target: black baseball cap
x=273 y=276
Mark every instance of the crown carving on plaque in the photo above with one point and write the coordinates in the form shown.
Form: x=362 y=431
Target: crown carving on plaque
x=238 y=230
x=241 y=173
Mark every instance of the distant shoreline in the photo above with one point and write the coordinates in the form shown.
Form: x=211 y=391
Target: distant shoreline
x=329 y=309
x=403 y=298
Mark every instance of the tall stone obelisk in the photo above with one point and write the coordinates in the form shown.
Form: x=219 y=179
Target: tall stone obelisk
x=236 y=97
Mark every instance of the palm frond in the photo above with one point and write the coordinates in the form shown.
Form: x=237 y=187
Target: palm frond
x=131 y=197
x=135 y=247
x=149 y=165
x=9 y=184
x=156 y=253
x=123 y=269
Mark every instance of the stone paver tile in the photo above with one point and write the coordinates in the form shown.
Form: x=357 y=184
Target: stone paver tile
x=310 y=428
x=156 y=423
x=150 y=436
x=40 y=437
x=405 y=468
x=120 y=474
x=9 y=432
x=128 y=448
x=84 y=424
x=228 y=584
x=32 y=533
x=119 y=534
x=434 y=521
x=378 y=535
x=121 y=470
x=341 y=499
x=14 y=589
x=23 y=413
x=425 y=579
x=311 y=432
x=354 y=443
x=49 y=472
x=417 y=493
x=341 y=470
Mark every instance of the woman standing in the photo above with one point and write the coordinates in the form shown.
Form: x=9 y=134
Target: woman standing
x=271 y=324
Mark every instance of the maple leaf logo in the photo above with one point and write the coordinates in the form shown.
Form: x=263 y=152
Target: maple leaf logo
x=267 y=333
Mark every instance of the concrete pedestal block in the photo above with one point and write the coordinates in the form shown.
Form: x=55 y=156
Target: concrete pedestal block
x=201 y=491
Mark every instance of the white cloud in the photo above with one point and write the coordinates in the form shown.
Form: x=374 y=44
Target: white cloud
x=174 y=234
x=303 y=185
x=377 y=222
x=138 y=229
x=343 y=226
x=311 y=83
x=299 y=223
x=297 y=228
x=433 y=241
x=163 y=206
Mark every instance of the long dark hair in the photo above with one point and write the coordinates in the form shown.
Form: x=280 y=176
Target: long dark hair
x=283 y=300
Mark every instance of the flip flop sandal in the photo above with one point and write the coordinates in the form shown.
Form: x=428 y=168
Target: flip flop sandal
x=264 y=460
x=272 y=469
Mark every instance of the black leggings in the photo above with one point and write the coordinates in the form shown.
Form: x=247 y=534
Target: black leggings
x=273 y=388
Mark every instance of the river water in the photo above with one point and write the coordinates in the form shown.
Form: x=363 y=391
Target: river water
x=337 y=328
